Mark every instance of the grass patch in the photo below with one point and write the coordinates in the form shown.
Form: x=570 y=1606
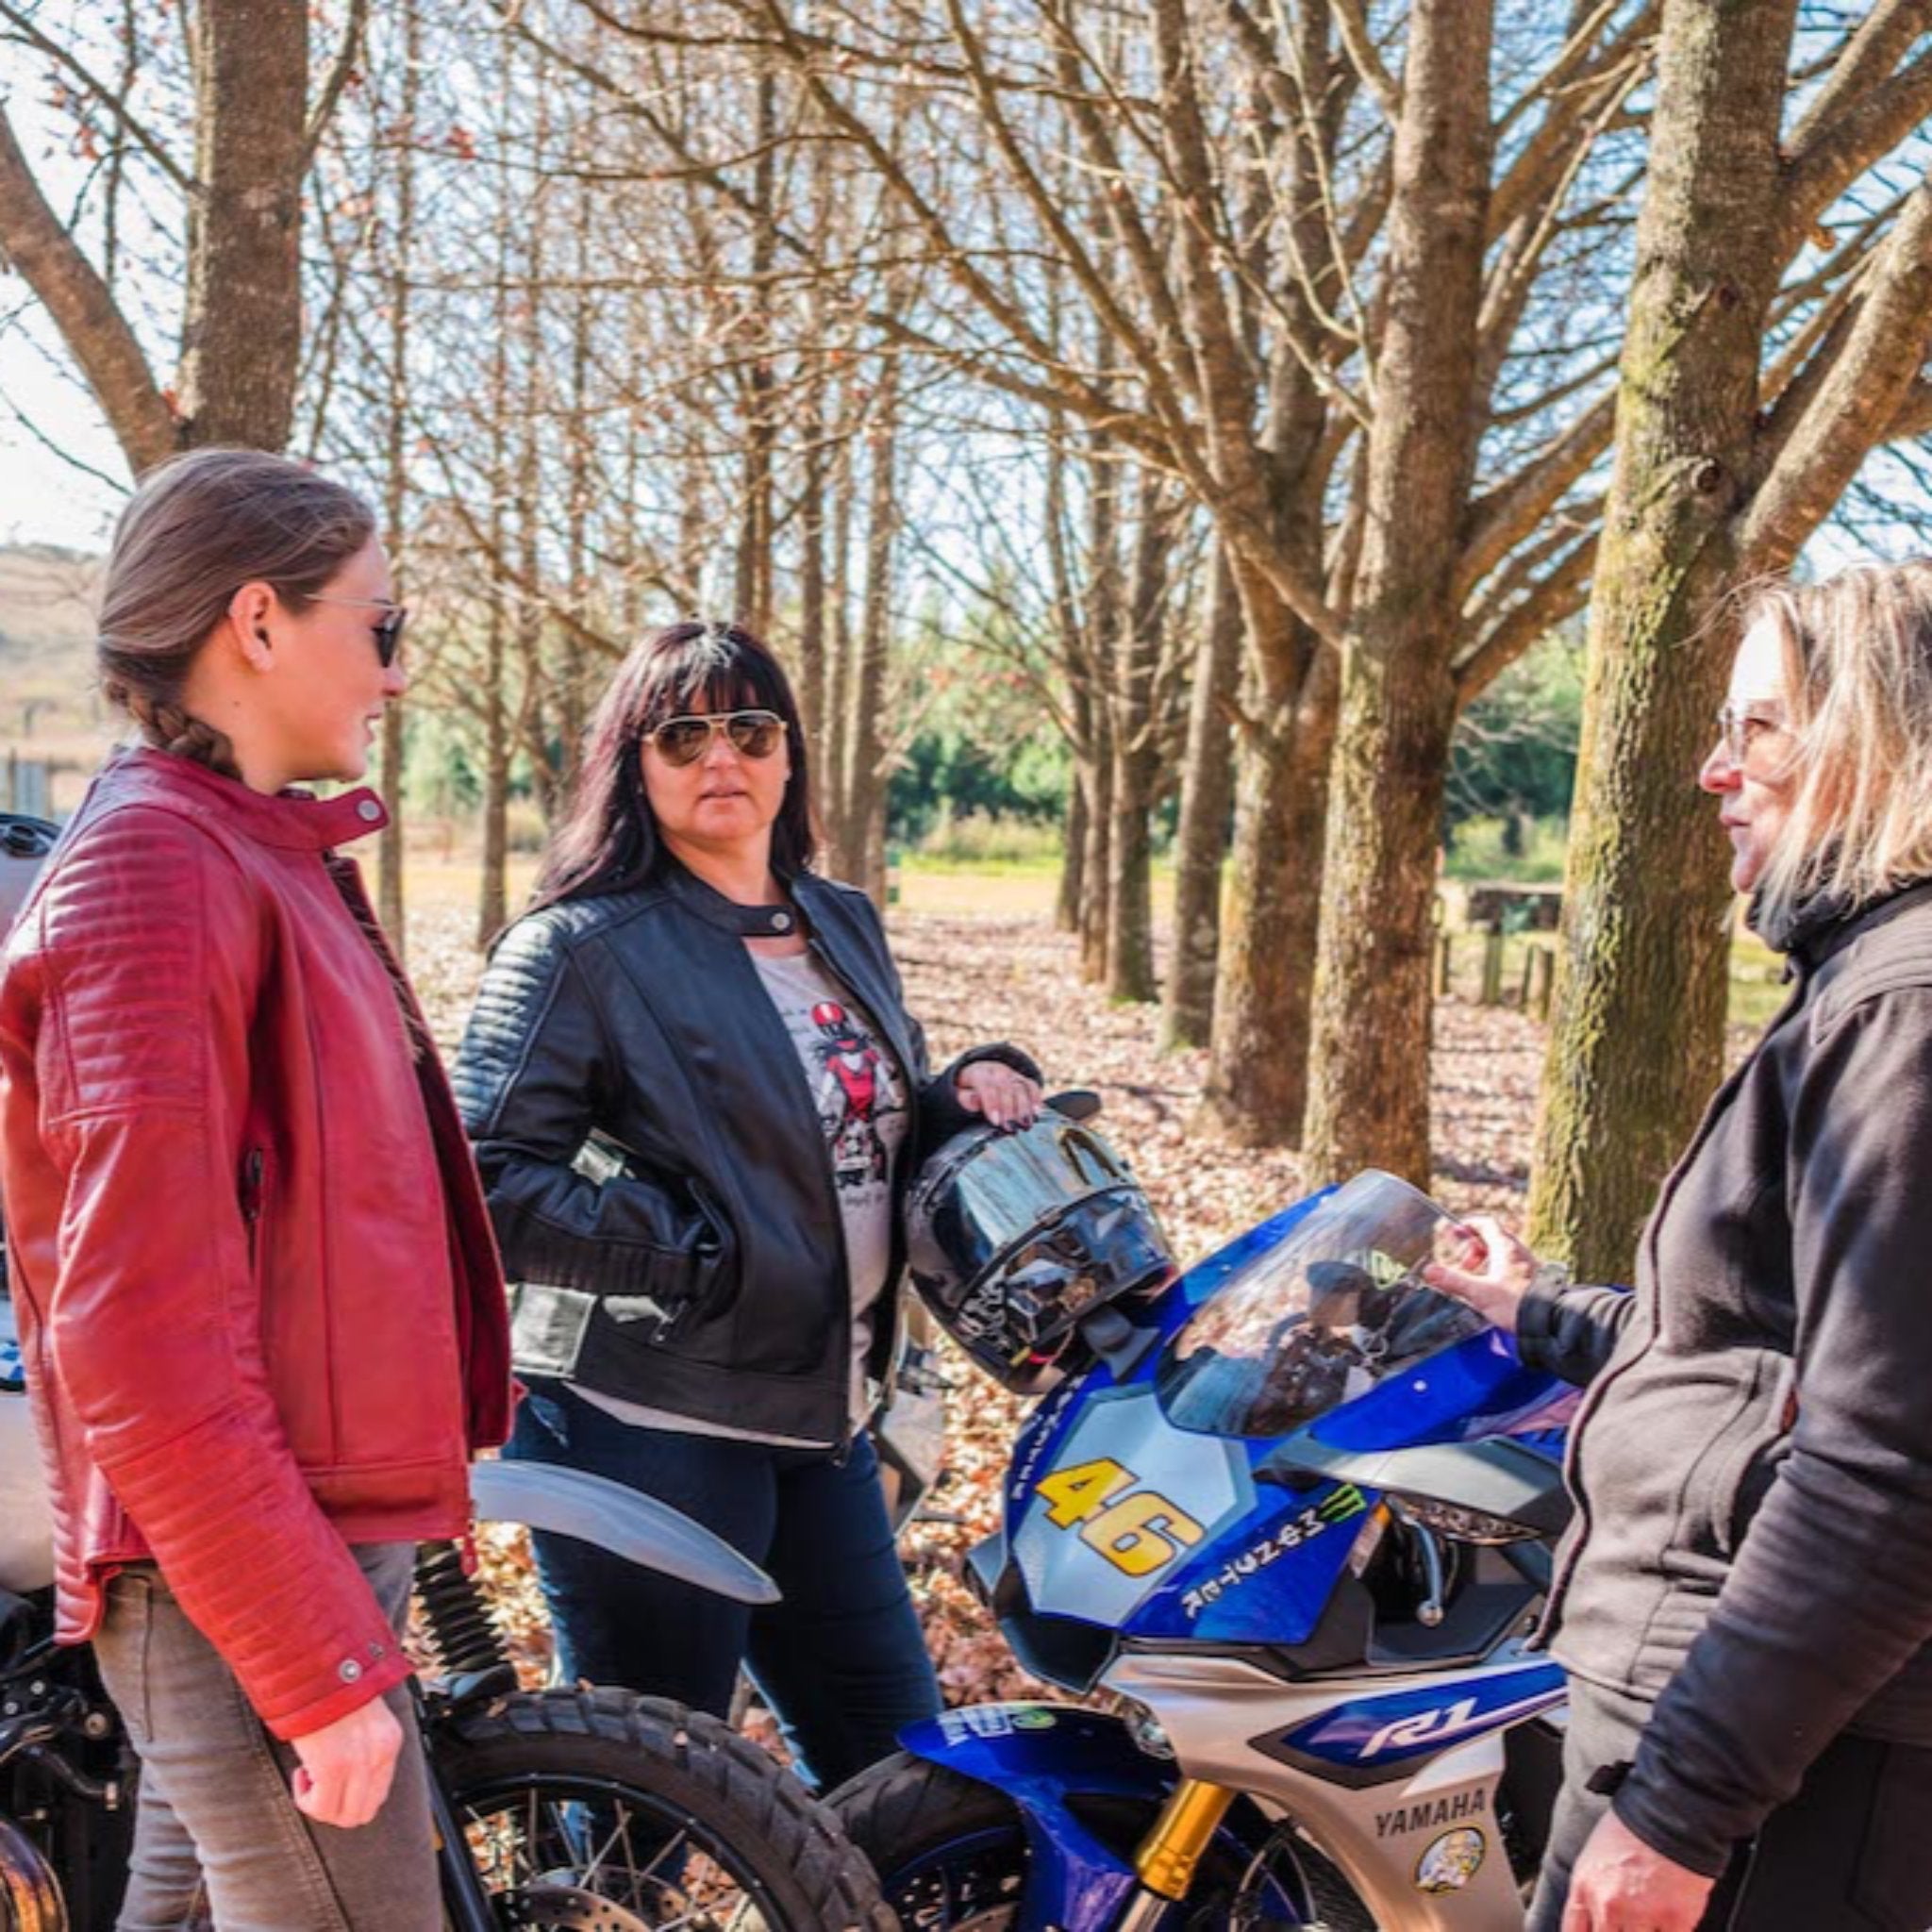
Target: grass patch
x=1480 y=851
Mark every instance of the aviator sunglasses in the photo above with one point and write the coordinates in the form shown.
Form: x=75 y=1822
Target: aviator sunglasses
x=389 y=633
x=685 y=741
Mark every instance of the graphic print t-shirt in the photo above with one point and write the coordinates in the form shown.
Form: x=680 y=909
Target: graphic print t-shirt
x=859 y=1094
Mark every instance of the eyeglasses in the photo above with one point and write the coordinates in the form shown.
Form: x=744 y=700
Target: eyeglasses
x=1739 y=727
x=685 y=741
x=389 y=633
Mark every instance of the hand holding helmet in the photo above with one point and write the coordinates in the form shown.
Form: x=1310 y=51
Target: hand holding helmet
x=1015 y=1235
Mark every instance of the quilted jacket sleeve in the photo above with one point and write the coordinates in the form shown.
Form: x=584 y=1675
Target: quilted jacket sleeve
x=531 y=1078
x=148 y=957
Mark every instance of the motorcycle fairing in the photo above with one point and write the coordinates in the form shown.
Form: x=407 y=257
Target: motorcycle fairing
x=1045 y=1758
x=1382 y=1737
x=1251 y=1559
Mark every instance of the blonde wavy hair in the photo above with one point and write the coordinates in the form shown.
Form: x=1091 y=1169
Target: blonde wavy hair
x=1857 y=661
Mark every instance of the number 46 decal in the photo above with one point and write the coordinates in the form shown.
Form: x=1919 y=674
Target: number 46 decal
x=1138 y=1534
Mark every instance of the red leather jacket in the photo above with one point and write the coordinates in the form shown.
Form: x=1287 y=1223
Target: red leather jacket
x=259 y=1297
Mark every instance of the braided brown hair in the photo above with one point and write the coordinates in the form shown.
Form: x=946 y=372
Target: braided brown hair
x=197 y=528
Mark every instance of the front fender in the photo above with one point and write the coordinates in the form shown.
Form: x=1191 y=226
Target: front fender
x=1040 y=1755
x=593 y=1508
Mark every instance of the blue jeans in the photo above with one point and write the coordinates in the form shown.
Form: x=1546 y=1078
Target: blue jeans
x=841 y=1661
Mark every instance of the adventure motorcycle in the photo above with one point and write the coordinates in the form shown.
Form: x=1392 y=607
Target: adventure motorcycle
x=1292 y=1510
x=582 y=1808
x=571 y=1808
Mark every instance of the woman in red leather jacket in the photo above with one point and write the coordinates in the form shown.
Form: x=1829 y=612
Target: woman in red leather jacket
x=258 y=1293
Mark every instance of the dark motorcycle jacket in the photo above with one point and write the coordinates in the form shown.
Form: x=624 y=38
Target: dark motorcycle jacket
x=1753 y=1461
x=653 y=1159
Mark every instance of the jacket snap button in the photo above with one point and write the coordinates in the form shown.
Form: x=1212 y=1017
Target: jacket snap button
x=781 y=922
x=369 y=811
x=348 y=1669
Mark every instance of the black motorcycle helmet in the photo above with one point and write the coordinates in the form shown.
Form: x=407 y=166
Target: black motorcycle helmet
x=1012 y=1237
x=24 y=844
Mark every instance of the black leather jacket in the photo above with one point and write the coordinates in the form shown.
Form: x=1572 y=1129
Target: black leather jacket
x=655 y=1165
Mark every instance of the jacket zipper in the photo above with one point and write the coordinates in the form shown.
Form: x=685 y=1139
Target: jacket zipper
x=253 y=1167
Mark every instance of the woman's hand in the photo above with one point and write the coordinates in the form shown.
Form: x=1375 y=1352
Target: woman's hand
x=1495 y=1273
x=1621 y=1885
x=346 y=1766
x=1005 y=1097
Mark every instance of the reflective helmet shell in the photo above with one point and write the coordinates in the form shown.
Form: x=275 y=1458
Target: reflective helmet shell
x=1013 y=1236
x=24 y=844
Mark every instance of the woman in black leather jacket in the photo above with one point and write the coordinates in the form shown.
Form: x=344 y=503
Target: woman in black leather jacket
x=697 y=1097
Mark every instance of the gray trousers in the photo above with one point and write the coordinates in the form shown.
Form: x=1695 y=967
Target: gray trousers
x=1851 y=1853
x=218 y=1841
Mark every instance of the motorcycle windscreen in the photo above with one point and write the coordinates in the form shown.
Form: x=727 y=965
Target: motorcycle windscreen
x=1334 y=1308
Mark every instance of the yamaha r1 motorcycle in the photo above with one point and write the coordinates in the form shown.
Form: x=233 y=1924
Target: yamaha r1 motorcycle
x=571 y=1808
x=1294 y=1517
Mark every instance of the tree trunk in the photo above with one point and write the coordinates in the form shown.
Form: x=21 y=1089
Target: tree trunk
x=397 y=479
x=1642 y=978
x=835 y=706
x=1066 y=912
x=492 y=886
x=1187 y=1013
x=1096 y=862
x=862 y=856
x=242 y=333
x=241 y=314
x=756 y=518
x=1136 y=659
x=1100 y=623
x=1256 y=1087
x=1369 y=1078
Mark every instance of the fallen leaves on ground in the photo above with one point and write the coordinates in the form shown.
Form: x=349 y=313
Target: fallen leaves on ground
x=975 y=979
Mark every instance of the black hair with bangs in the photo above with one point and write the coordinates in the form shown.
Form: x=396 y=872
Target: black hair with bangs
x=609 y=840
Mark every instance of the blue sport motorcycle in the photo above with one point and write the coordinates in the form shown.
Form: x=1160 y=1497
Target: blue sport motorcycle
x=1293 y=1523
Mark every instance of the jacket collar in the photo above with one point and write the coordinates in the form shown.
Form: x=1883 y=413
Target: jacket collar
x=1827 y=924
x=745 y=922
x=294 y=820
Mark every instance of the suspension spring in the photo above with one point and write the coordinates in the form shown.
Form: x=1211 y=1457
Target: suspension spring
x=461 y=1628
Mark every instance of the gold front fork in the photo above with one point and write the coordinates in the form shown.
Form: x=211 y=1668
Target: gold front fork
x=1186 y=1828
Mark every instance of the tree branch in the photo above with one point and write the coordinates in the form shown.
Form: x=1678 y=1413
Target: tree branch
x=36 y=245
x=1880 y=42
x=337 y=79
x=1560 y=593
x=1869 y=125
x=1504 y=516
x=1876 y=360
x=108 y=97
x=1362 y=53
x=1913 y=418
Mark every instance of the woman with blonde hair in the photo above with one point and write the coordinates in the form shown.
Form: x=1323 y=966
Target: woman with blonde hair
x=258 y=1299
x=1744 y=1601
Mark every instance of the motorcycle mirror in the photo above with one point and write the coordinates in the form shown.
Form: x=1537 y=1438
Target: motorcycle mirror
x=1077 y=1103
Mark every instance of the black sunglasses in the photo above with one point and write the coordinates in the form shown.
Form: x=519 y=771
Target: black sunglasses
x=387 y=633
x=685 y=741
